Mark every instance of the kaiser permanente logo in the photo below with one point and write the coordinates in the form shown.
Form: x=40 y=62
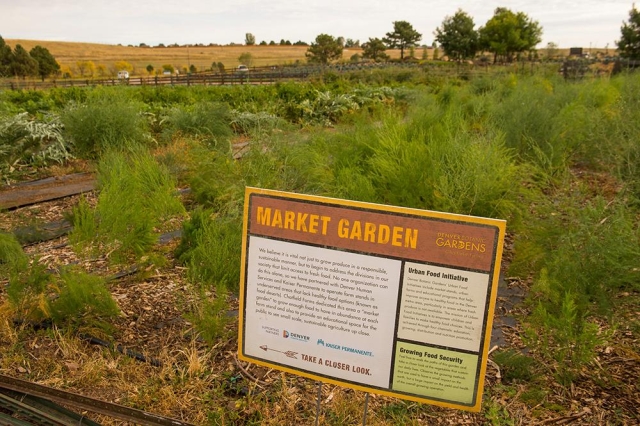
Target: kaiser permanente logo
x=321 y=342
x=295 y=336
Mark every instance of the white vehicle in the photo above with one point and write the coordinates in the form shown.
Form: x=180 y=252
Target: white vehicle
x=123 y=75
x=243 y=68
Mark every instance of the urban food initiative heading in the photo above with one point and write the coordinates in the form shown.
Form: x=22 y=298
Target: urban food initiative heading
x=382 y=299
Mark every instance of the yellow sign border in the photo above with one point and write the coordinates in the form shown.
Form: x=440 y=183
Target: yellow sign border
x=495 y=271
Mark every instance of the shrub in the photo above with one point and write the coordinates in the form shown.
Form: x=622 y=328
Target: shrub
x=212 y=316
x=257 y=124
x=571 y=237
x=515 y=366
x=29 y=292
x=566 y=338
x=137 y=194
x=211 y=247
x=83 y=299
x=206 y=120
x=444 y=166
x=12 y=257
x=23 y=139
x=104 y=123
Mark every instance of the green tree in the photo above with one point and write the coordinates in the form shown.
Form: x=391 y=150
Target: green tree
x=552 y=50
x=123 y=66
x=193 y=69
x=324 y=50
x=150 y=69
x=246 y=59
x=101 y=70
x=22 y=64
x=374 y=49
x=508 y=33
x=249 y=39
x=351 y=43
x=629 y=43
x=402 y=37
x=5 y=58
x=457 y=36
x=47 y=64
x=86 y=67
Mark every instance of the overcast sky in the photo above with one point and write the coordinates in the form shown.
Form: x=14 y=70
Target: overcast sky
x=586 y=23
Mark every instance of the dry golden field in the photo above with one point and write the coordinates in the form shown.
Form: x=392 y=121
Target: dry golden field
x=68 y=54
x=105 y=57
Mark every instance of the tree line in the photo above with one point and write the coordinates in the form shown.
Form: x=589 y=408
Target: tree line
x=507 y=35
x=20 y=63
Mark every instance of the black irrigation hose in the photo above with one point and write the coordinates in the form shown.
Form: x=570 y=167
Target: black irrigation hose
x=47 y=324
x=128 y=352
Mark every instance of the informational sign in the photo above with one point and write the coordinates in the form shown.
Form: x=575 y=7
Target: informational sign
x=382 y=299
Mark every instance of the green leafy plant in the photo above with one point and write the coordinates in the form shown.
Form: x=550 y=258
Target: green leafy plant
x=206 y=120
x=12 y=257
x=24 y=139
x=567 y=339
x=212 y=316
x=104 y=122
x=82 y=300
x=211 y=247
x=85 y=225
x=515 y=366
x=260 y=123
x=327 y=108
x=137 y=195
x=29 y=292
x=36 y=294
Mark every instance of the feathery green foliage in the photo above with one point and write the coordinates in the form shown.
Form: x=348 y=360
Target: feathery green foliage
x=29 y=291
x=108 y=120
x=206 y=120
x=12 y=257
x=211 y=246
x=83 y=299
x=136 y=195
x=566 y=337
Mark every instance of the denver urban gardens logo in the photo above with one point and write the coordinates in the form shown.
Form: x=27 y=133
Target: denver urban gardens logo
x=295 y=336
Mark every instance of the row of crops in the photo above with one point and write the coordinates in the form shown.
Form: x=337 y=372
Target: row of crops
x=560 y=161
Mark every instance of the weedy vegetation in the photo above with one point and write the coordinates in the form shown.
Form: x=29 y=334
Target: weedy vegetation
x=560 y=161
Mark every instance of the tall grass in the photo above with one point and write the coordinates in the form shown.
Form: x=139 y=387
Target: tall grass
x=108 y=120
x=35 y=294
x=623 y=131
x=206 y=120
x=211 y=248
x=83 y=301
x=12 y=257
x=433 y=160
x=137 y=195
